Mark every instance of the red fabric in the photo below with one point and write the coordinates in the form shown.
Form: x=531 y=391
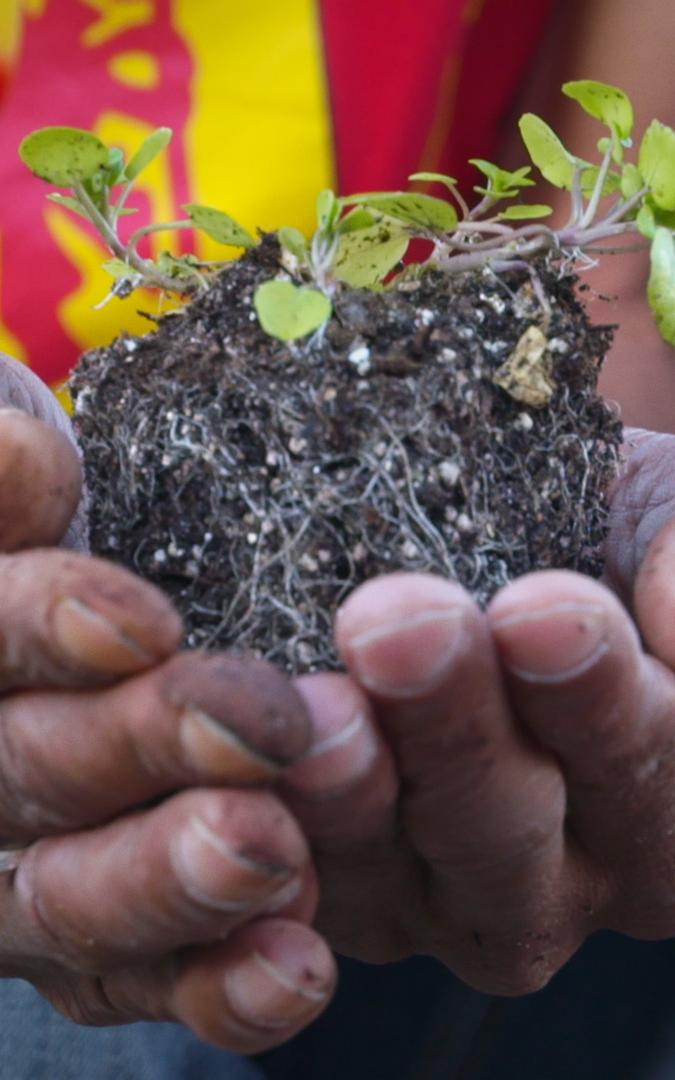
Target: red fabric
x=422 y=86
x=40 y=275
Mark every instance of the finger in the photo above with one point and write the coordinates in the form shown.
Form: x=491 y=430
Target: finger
x=72 y=759
x=69 y=620
x=581 y=683
x=343 y=790
x=271 y=979
x=184 y=872
x=483 y=806
x=422 y=649
x=654 y=596
x=40 y=482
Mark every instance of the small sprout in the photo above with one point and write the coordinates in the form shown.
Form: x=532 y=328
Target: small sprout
x=501 y=183
x=219 y=226
x=288 y=312
x=148 y=151
x=64 y=156
x=362 y=239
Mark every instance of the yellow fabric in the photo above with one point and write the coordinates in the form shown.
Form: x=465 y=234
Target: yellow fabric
x=259 y=141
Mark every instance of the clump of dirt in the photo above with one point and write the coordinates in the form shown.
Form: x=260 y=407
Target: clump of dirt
x=258 y=483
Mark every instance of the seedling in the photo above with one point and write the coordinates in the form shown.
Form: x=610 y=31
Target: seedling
x=360 y=240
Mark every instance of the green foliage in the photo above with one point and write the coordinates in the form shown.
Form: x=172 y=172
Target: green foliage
x=410 y=208
x=64 y=156
x=327 y=210
x=288 y=312
x=361 y=239
x=219 y=226
x=657 y=163
x=604 y=102
x=661 y=285
x=554 y=162
x=525 y=212
x=148 y=151
x=631 y=180
x=502 y=184
x=366 y=258
x=435 y=178
x=294 y=241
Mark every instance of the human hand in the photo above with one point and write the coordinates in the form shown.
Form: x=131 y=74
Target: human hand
x=151 y=885
x=493 y=787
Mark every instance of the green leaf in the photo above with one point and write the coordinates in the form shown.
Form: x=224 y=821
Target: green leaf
x=502 y=183
x=604 y=102
x=114 y=171
x=435 y=178
x=657 y=163
x=327 y=210
x=118 y=269
x=524 y=211
x=412 y=208
x=661 y=285
x=72 y=204
x=554 y=162
x=589 y=177
x=148 y=151
x=646 y=222
x=287 y=311
x=64 y=156
x=359 y=218
x=631 y=180
x=293 y=240
x=69 y=202
x=367 y=256
x=219 y=226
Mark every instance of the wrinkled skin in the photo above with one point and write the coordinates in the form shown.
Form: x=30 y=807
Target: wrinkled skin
x=485 y=787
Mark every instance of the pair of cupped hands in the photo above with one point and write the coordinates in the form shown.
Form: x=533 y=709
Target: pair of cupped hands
x=200 y=831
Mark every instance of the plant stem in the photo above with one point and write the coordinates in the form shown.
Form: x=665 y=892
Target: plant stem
x=598 y=188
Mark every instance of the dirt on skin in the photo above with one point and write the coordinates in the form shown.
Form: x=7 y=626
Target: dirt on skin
x=259 y=483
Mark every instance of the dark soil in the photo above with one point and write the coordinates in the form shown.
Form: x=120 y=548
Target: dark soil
x=258 y=483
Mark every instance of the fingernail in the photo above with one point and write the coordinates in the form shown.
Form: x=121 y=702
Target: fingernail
x=219 y=877
x=553 y=645
x=337 y=759
x=209 y=745
x=265 y=995
x=408 y=656
x=89 y=638
x=8 y=410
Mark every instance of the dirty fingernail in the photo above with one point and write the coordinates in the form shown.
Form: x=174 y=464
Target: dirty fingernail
x=337 y=758
x=217 y=876
x=209 y=745
x=270 y=996
x=408 y=656
x=90 y=638
x=554 y=644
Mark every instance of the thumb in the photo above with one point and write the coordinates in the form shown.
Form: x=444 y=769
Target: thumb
x=41 y=501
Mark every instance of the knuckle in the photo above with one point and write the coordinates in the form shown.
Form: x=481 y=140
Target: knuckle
x=83 y=1000
x=28 y=796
